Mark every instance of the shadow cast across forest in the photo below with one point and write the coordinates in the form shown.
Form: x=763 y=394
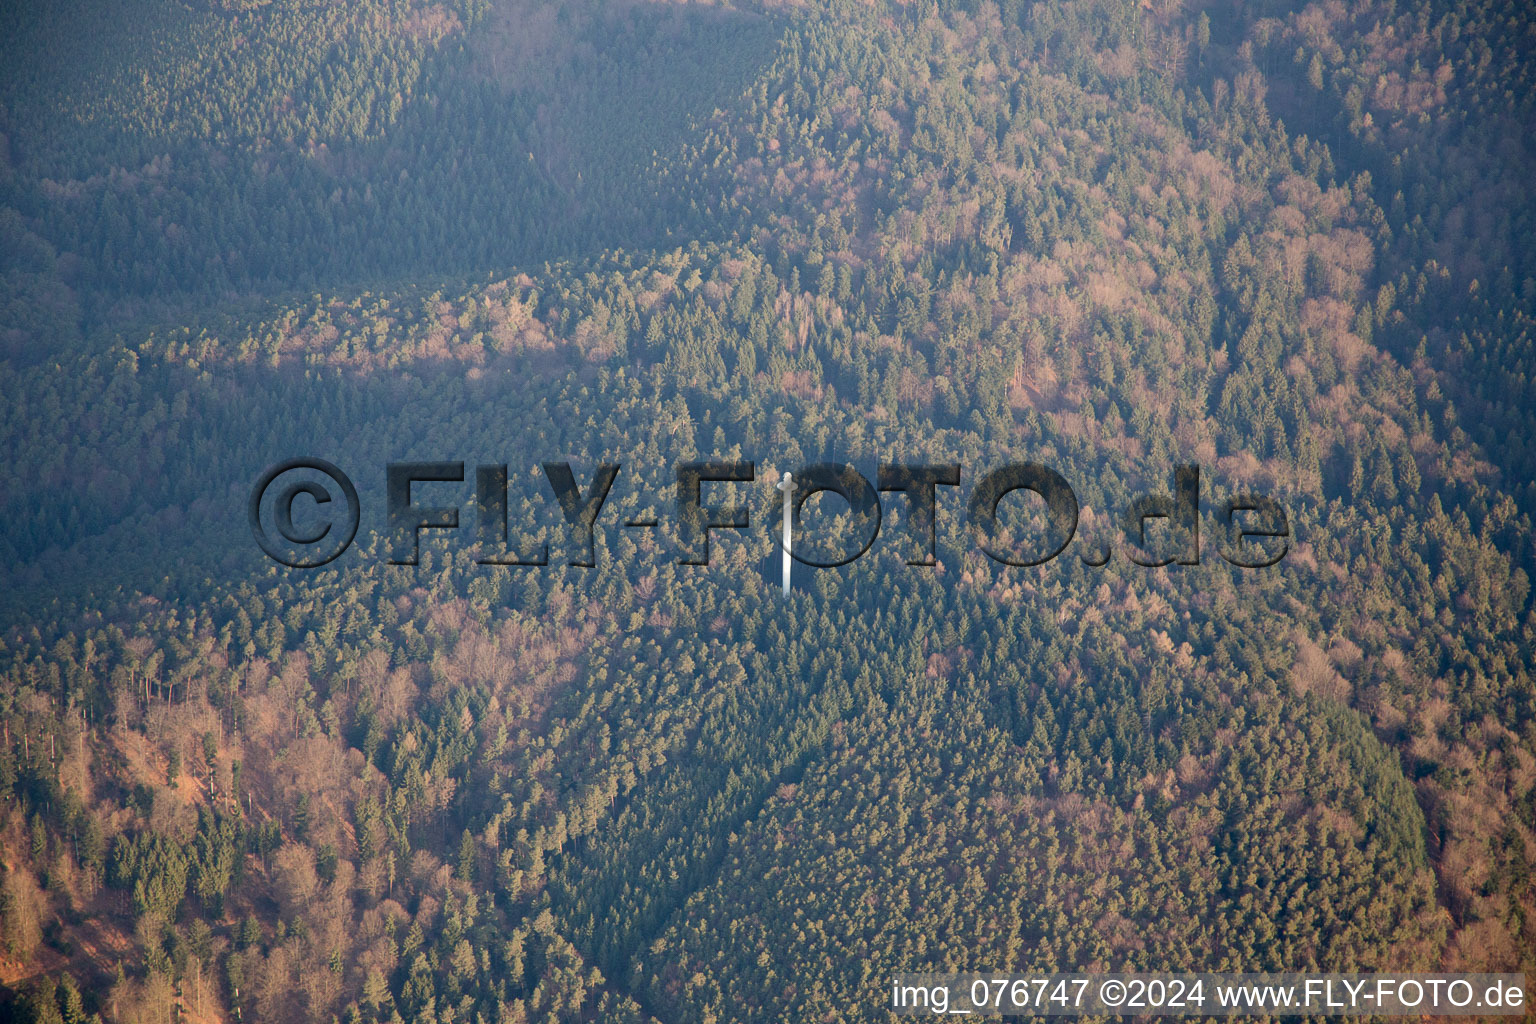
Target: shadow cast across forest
x=172 y=175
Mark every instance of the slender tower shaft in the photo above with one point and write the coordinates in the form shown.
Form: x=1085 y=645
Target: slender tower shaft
x=787 y=485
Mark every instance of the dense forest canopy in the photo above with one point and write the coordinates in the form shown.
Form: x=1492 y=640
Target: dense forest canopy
x=1286 y=244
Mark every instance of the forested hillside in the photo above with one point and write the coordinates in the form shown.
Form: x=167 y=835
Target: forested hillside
x=1287 y=245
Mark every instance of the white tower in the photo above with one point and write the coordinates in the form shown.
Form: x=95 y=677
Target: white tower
x=787 y=485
